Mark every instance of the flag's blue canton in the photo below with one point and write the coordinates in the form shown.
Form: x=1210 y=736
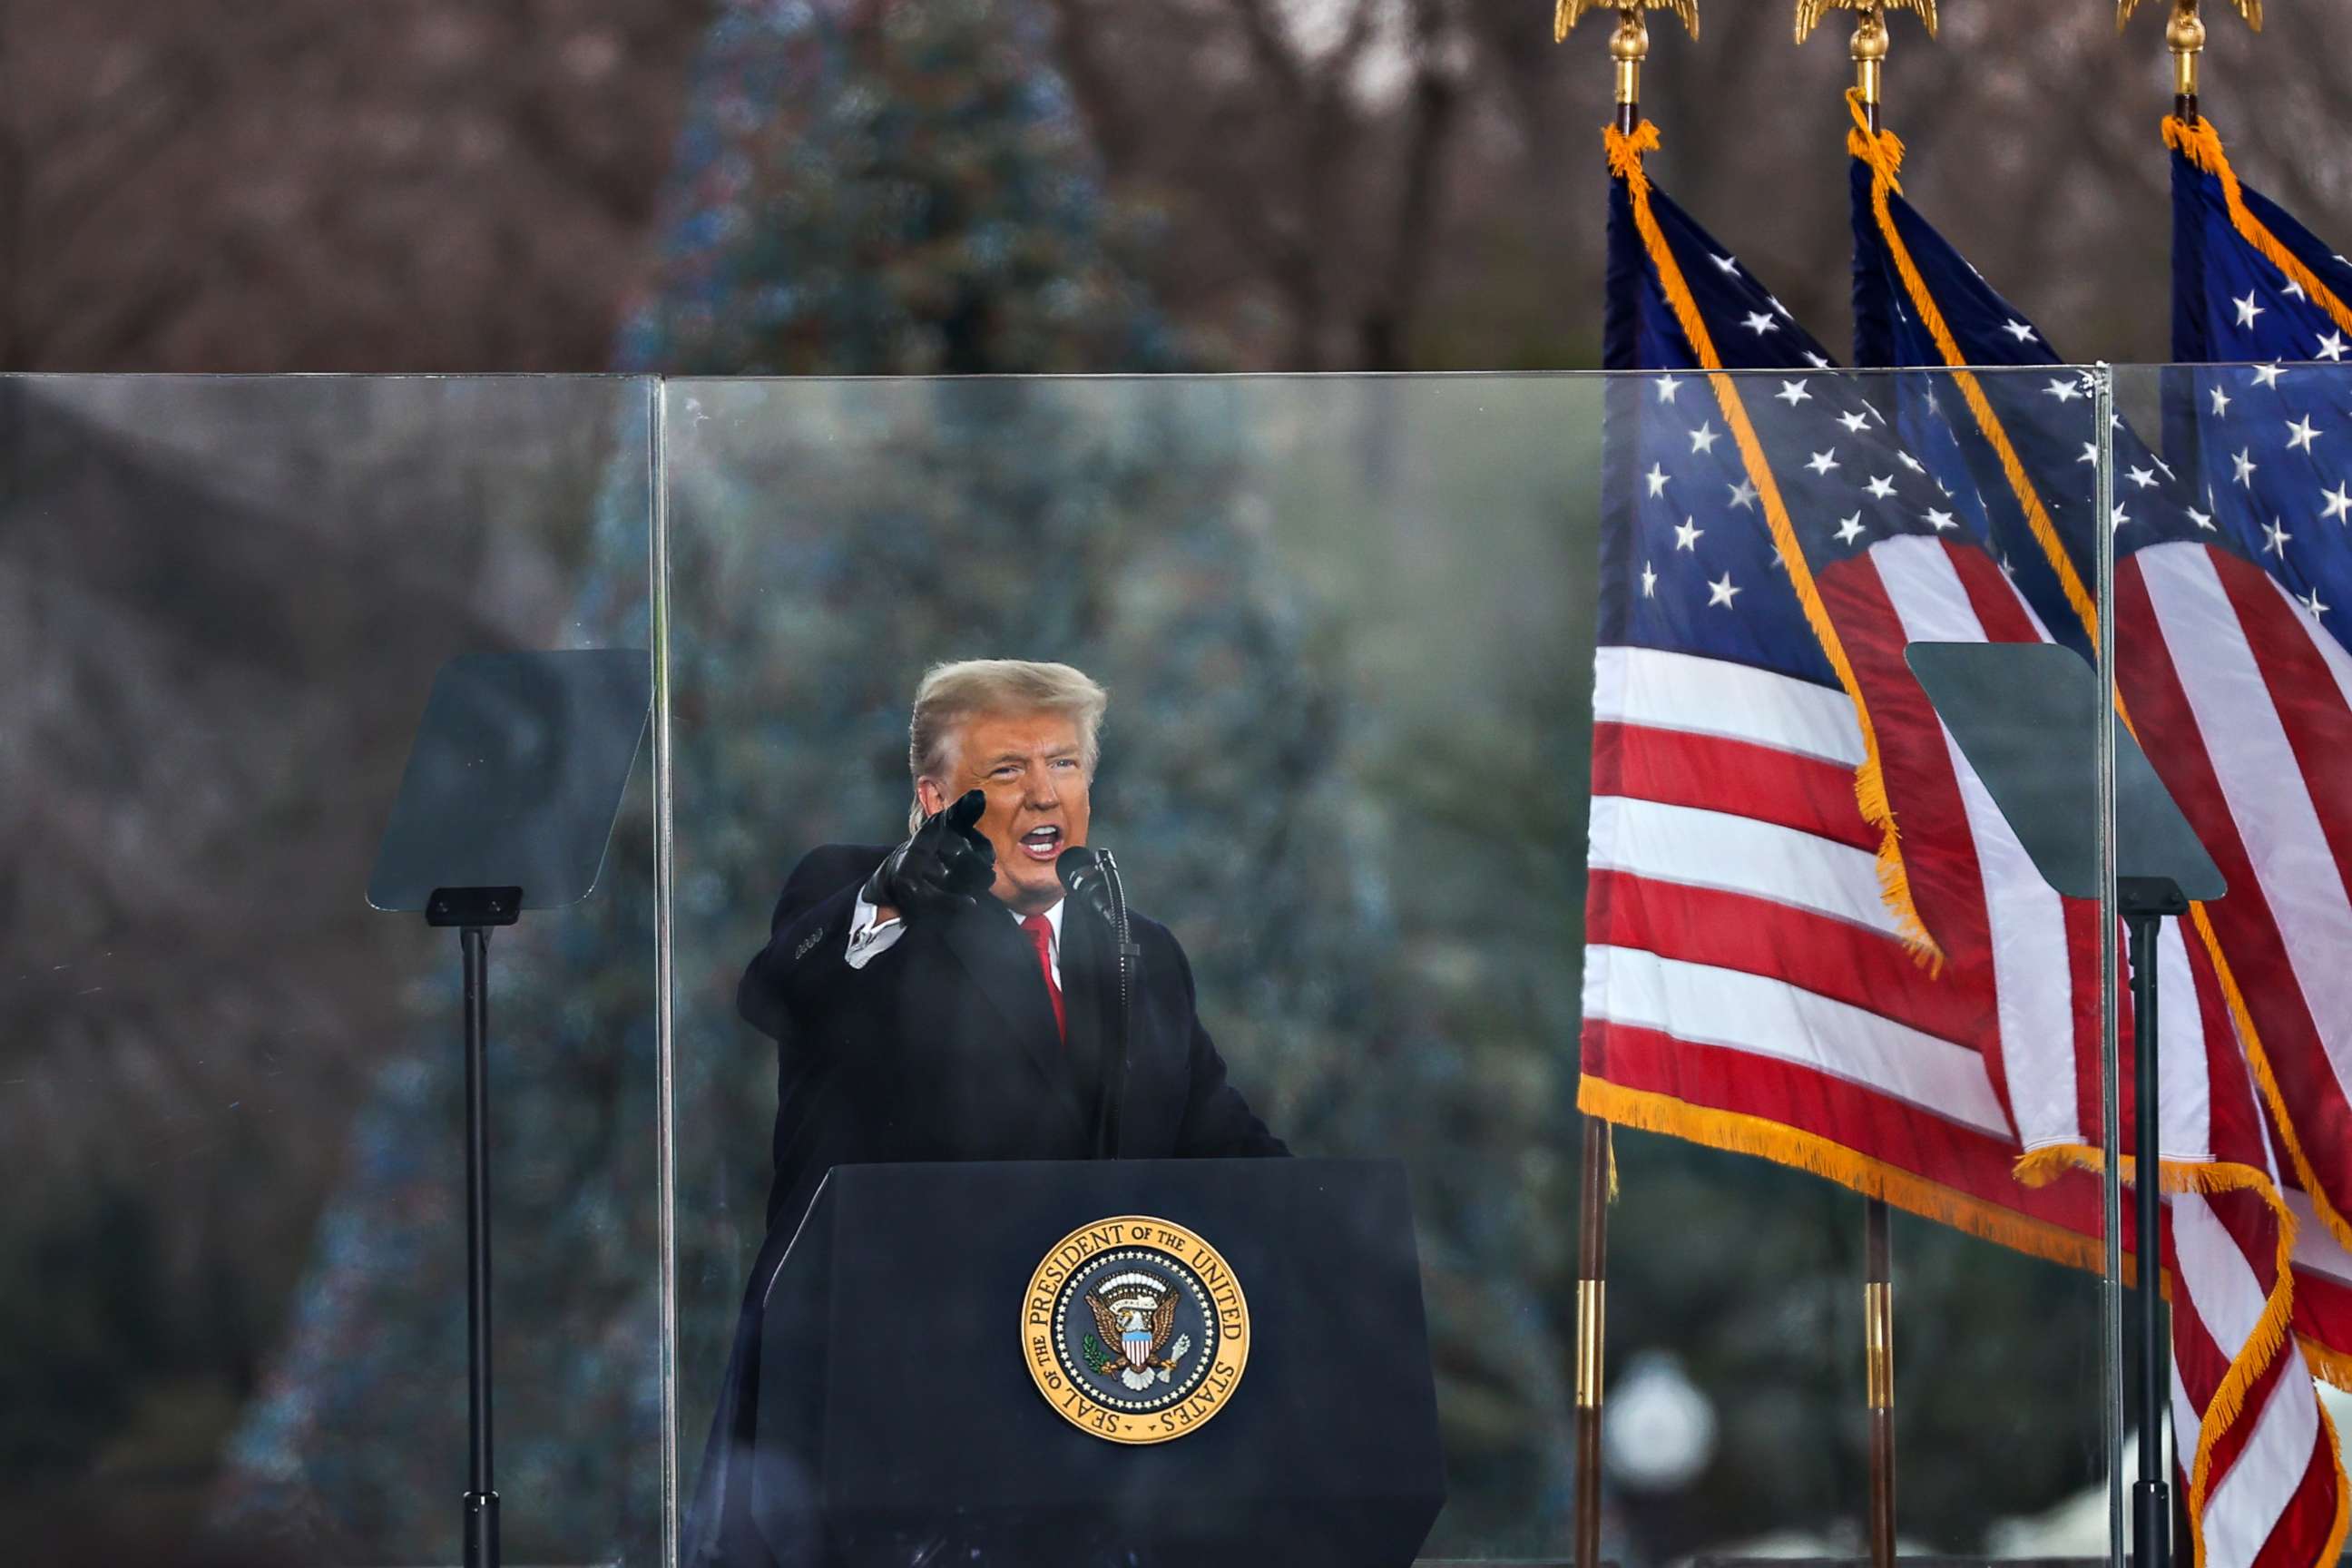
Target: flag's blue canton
x=2271 y=439
x=1688 y=560
x=2049 y=417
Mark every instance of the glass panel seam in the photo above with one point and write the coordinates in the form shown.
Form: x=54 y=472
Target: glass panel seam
x=2103 y=406
x=664 y=890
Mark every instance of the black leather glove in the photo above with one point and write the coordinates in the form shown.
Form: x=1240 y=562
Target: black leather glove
x=944 y=866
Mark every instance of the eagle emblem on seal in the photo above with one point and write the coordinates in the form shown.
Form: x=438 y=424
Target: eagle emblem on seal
x=1135 y=1313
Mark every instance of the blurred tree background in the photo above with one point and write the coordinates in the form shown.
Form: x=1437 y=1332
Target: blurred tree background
x=1347 y=630
x=487 y=184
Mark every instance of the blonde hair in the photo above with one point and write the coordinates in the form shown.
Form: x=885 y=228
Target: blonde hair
x=952 y=692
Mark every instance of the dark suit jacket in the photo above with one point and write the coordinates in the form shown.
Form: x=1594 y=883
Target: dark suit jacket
x=944 y=1048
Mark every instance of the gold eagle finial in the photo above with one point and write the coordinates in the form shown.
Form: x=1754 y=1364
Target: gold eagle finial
x=1811 y=12
x=1567 y=13
x=1629 y=46
x=2185 y=33
x=1870 y=41
x=2251 y=10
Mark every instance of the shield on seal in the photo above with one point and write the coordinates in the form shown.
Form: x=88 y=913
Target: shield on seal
x=1137 y=1343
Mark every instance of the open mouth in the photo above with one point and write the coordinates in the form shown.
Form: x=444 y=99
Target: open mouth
x=1041 y=843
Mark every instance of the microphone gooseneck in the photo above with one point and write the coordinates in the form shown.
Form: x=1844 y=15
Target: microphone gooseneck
x=1091 y=876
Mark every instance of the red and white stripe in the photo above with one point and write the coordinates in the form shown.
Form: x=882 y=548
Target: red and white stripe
x=1742 y=959
x=2247 y=711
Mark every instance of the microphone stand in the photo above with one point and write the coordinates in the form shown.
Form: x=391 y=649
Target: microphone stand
x=1093 y=875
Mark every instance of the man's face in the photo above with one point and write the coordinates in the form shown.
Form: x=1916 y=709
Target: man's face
x=1035 y=772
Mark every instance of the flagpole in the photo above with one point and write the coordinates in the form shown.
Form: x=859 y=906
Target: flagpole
x=1592 y=1335
x=1878 y=1354
x=1629 y=46
x=2185 y=35
x=1868 y=49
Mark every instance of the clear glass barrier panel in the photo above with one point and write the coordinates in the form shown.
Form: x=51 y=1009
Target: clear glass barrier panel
x=1350 y=630
x=232 y=1237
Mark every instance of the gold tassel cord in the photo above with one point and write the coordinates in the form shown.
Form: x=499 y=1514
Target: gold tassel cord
x=1624 y=154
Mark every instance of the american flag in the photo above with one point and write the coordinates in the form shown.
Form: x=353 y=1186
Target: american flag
x=2267 y=443
x=2196 y=619
x=1771 y=546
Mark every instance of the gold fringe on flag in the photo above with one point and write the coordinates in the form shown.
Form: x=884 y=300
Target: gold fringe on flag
x=1735 y=1133
x=2201 y=146
x=1883 y=151
x=1624 y=154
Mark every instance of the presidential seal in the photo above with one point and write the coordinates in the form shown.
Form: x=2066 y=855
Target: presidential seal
x=1135 y=1330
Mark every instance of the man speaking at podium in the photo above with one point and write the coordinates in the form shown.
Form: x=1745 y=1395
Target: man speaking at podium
x=947 y=999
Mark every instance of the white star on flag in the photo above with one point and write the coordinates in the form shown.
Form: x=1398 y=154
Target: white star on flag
x=1880 y=488
x=1657 y=477
x=2277 y=536
x=2248 y=310
x=1721 y=592
x=1743 y=494
x=1702 y=438
x=1687 y=537
x=1823 y=462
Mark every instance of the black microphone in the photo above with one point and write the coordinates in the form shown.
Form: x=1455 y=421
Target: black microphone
x=1086 y=876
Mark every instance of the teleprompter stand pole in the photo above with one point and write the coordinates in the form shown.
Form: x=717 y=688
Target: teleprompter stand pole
x=474 y=910
x=514 y=781
x=2143 y=902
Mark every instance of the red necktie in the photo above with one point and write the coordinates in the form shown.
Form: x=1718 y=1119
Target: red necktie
x=1041 y=936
